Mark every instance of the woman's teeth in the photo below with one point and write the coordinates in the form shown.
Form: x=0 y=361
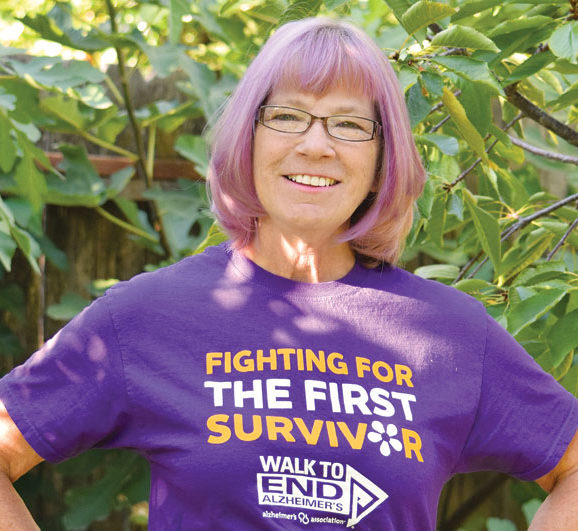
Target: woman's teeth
x=311 y=180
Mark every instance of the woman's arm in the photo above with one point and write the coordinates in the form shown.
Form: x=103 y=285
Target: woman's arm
x=560 y=510
x=16 y=458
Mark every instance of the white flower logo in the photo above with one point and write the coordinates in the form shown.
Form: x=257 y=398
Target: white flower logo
x=385 y=436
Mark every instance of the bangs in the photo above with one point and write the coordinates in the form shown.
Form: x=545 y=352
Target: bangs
x=324 y=59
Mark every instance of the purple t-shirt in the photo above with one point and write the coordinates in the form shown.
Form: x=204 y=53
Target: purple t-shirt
x=261 y=402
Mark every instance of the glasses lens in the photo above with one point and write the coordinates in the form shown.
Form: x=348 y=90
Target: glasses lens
x=350 y=128
x=285 y=119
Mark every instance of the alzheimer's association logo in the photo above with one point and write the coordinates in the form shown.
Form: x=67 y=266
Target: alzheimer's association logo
x=317 y=485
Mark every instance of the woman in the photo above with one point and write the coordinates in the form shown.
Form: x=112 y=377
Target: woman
x=294 y=377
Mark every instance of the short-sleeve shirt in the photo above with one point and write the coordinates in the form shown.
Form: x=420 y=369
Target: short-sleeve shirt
x=265 y=403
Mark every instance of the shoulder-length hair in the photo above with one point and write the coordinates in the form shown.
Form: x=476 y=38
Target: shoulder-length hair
x=314 y=55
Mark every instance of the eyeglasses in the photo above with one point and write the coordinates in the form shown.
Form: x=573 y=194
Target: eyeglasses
x=343 y=127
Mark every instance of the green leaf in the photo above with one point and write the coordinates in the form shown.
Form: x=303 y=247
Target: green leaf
x=12 y=300
x=333 y=5
x=474 y=285
x=228 y=5
x=57 y=74
x=531 y=309
x=529 y=67
x=28 y=246
x=164 y=58
x=560 y=370
x=99 y=286
x=562 y=337
x=299 y=9
x=137 y=217
x=215 y=236
x=477 y=102
x=445 y=271
x=564 y=41
x=6 y=213
x=425 y=200
x=570 y=381
x=202 y=81
x=180 y=210
x=69 y=306
x=487 y=230
x=539 y=272
x=558 y=229
x=501 y=135
x=53 y=253
x=96 y=501
x=456 y=205
x=399 y=7
x=529 y=509
x=7 y=248
x=82 y=186
x=470 y=69
x=94 y=96
x=9 y=344
x=511 y=153
x=465 y=127
x=521 y=257
x=195 y=149
x=7 y=146
x=118 y=181
x=518 y=24
x=8 y=50
x=65 y=109
x=31 y=182
x=29 y=130
x=437 y=218
x=568 y=97
x=500 y=524
x=177 y=9
x=468 y=9
x=464 y=37
x=434 y=83
x=7 y=101
x=57 y=26
x=565 y=67
x=423 y=13
x=417 y=105
x=446 y=144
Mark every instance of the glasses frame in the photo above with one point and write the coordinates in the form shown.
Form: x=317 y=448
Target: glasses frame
x=260 y=119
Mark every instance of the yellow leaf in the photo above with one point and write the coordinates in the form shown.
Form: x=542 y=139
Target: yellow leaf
x=465 y=127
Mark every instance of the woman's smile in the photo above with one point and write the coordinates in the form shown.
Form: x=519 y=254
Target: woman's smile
x=312 y=181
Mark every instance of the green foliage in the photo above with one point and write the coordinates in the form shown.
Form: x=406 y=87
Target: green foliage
x=468 y=67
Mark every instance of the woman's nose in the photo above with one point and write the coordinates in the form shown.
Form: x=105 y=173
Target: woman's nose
x=316 y=141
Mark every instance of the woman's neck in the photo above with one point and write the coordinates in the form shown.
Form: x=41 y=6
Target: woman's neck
x=300 y=259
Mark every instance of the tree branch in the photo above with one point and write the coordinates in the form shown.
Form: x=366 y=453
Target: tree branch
x=467 y=266
x=141 y=165
x=520 y=224
x=538 y=115
x=128 y=100
x=126 y=226
x=572 y=226
x=542 y=152
x=466 y=172
x=439 y=124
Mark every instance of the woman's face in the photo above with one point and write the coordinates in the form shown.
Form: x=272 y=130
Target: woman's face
x=280 y=159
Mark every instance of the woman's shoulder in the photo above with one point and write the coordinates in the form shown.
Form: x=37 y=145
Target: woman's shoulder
x=186 y=277
x=408 y=286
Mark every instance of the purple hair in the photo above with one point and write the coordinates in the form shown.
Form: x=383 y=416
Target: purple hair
x=314 y=55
